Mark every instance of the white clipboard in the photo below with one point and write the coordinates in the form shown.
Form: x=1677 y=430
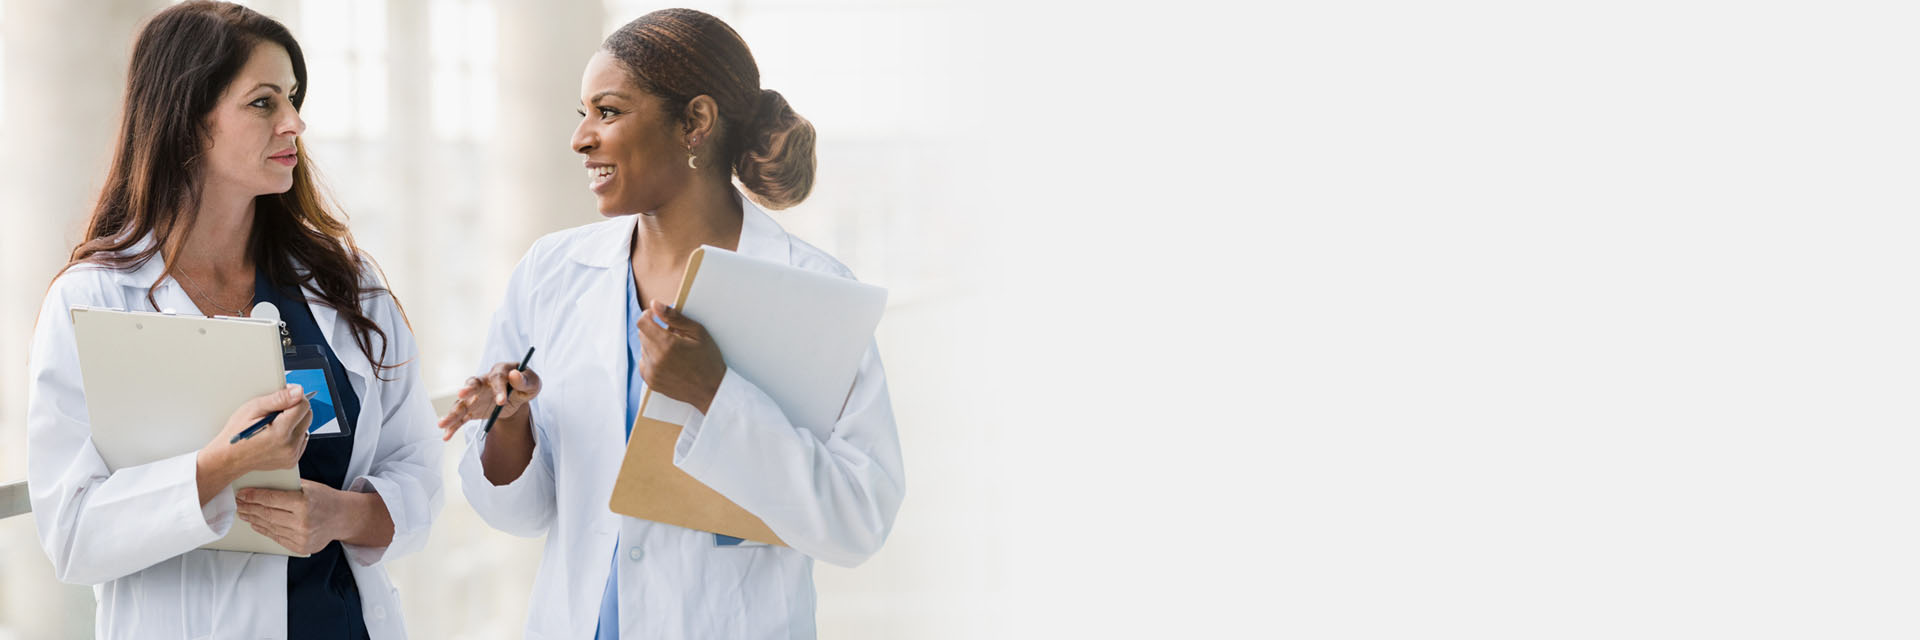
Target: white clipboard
x=159 y=385
x=799 y=335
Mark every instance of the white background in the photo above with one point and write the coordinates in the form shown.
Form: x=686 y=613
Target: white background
x=1399 y=320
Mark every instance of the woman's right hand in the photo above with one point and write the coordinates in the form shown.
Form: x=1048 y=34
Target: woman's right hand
x=481 y=394
x=278 y=445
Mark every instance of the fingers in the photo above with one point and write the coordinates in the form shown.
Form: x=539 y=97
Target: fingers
x=264 y=520
x=271 y=513
x=462 y=407
x=648 y=364
x=501 y=386
x=652 y=320
x=652 y=336
x=294 y=423
x=526 y=385
x=516 y=388
x=266 y=524
x=665 y=313
x=272 y=499
x=677 y=324
x=280 y=400
x=294 y=419
x=300 y=447
x=455 y=418
x=497 y=384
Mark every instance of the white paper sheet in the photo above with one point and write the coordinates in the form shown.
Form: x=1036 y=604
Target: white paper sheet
x=798 y=335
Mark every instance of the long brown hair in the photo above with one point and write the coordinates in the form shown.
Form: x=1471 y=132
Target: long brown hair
x=184 y=59
x=682 y=54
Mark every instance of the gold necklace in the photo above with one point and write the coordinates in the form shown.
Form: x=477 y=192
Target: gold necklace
x=240 y=312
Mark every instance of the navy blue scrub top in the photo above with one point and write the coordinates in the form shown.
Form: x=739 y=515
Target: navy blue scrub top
x=323 y=601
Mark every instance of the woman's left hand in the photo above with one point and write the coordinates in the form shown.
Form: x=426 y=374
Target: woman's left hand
x=302 y=521
x=680 y=360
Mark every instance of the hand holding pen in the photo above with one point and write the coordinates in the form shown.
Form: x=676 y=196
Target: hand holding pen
x=500 y=394
x=268 y=432
x=266 y=420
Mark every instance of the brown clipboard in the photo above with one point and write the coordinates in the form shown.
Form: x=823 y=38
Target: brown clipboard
x=650 y=487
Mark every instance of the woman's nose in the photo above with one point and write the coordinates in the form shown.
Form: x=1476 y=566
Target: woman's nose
x=293 y=125
x=583 y=137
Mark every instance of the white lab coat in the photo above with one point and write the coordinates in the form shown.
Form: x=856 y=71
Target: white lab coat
x=132 y=533
x=831 y=493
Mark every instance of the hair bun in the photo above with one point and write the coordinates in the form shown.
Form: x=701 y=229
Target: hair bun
x=777 y=165
x=768 y=108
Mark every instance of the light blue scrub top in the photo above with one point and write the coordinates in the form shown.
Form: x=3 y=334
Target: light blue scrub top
x=636 y=387
x=610 y=599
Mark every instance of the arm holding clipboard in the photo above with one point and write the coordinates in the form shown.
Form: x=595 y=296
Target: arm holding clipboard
x=121 y=485
x=789 y=438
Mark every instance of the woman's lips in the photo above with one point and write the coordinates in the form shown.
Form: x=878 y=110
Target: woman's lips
x=599 y=176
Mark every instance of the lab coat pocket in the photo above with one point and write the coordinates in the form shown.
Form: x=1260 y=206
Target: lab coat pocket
x=733 y=584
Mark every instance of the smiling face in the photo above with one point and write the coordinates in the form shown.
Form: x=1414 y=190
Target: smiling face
x=636 y=159
x=254 y=127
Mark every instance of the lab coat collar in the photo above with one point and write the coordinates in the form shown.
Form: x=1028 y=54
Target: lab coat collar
x=327 y=317
x=760 y=237
x=144 y=275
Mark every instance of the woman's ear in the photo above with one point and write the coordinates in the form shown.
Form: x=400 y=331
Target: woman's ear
x=703 y=120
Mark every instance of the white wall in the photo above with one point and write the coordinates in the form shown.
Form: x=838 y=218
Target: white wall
x=1339 y=320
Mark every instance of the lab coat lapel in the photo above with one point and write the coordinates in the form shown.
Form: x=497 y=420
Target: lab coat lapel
x=340 y=338
x=601 y=312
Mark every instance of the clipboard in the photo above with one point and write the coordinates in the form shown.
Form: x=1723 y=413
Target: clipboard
x=159 y=385
x=799 y=335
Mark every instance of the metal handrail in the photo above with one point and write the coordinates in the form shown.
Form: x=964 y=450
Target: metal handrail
x=13 y=500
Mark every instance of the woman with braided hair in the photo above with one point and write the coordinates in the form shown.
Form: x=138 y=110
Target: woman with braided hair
x=672 y=113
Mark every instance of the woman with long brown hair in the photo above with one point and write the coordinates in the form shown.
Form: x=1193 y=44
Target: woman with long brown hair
x=210 y=207
x=672 y=112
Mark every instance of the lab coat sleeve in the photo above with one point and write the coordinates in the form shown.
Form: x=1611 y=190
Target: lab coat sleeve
x=526 y=506
x=833 y=499
x=406 y=465
x=97 y=525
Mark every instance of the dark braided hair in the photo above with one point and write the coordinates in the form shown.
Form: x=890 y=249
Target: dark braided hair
x=681 y=54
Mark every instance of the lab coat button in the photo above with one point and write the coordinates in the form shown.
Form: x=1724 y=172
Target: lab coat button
x=379 y=613
x=633 y=553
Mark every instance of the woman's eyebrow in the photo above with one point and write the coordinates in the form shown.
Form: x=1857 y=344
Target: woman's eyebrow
x=610 y=92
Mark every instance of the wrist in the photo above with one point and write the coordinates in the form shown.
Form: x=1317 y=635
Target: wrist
x=520 y=423
x=705 y=402
x=213 y=464
x=368 y=523
x=348 y=513
x=707 y=398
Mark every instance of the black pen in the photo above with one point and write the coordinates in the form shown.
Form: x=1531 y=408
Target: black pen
x=498 y=407
x=262 y=424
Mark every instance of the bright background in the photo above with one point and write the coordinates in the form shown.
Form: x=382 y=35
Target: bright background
x=1374 y=319
x=442 y=127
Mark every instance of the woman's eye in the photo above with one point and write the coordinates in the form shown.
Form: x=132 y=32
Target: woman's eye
x=607 y=113
x=263 y=103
